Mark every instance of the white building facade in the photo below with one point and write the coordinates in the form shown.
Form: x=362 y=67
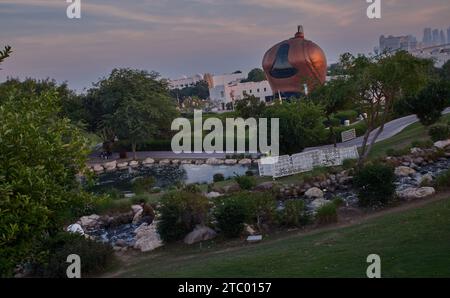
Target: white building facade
x=185 y=82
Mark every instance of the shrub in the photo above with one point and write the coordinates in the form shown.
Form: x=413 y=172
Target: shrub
x=443 y=180
x=327 y=214
x=179 y=213
x=114 y=193
x=218 y=177
x=347 y=115
x=338 y=201
x=231 y=215
x=262 y=208
x=143 y=184
x=249 y=173
x=349 y=164
x=375 y=184
x=245 y=182
x=439 y=132
x=294 y=213
x=95 y=256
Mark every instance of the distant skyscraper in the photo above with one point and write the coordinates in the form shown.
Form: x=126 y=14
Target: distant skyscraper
x=442 y=37
x=436 y=36
x=448 y=35
x=427 y=36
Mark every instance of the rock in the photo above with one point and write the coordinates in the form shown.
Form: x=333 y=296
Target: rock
x=75 y=229
x=122 y=165
x=426 y=179
x=230 y=161
x=121 y=243
x=314 y=193
x=148 y=161
x=213 y=195
x=90 y=221
x=416 y=193
x=110 y=166
x=134 y=164
x=164 y=162
x=317 y=203
x=137 y=217
x=200 y=233
x=199 y=162
x=249 y=230
x=232 y=188
x=345 y=180
x=442 y=144
x=136 y=208
x=98 y=168
x=416 y=150
x=264 y=186
x=214 y=161
x=186 y=162
x=147 y=237
x=403 y=171
x=175 y=162
x=245 y=161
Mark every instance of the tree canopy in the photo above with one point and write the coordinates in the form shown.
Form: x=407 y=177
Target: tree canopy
x=255 y=75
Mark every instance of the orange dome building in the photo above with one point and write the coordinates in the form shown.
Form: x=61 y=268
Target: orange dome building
x=295 y=66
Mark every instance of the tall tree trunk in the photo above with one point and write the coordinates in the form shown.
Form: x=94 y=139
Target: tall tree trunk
x=364 y=146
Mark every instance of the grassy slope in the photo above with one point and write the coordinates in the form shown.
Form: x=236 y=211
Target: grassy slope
x=413 y=243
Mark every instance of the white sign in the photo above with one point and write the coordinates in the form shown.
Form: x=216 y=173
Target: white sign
x=286 y=165
x=348 y=135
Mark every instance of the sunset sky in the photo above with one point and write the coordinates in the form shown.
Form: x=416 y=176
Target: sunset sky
x=184 y=37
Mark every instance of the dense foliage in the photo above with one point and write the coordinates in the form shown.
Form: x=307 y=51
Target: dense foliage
x=375 y=184
x=40 y=156
x=231 y=215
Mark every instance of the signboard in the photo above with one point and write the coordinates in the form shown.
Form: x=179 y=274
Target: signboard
x=286 y=165
x=348 y=135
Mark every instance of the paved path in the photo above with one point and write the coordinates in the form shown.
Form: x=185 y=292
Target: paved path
x=390 y=129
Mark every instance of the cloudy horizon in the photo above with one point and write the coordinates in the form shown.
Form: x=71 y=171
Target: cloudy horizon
x=185 y=37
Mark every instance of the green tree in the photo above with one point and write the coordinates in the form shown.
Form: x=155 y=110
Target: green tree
x=40 y=156
x=255 y=75
x=333 y=96
x=250 y=106
x=5 y=53
x=379 y=82
x=300 y=124
x=133 y=104
x=199 y=90
x=445 y=71
x=429 y=104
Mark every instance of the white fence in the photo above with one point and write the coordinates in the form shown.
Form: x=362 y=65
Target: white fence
x=348 y=135
x=286 y=165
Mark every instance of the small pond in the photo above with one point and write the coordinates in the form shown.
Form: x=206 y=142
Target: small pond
x=167 y=175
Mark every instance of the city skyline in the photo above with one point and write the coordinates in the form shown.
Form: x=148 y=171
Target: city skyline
x=179 y=38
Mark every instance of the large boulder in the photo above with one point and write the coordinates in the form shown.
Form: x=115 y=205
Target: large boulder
x=442 y=144
x=266 y=186
x=426 y=179
x=213 y=195
x=90 y=221
x=200 y=233
x=148 y=161
x=136 y=208
x=245 y=161
x=110 y=166
x=134 y=164
x=164 y=162
x=137 y=216
x=98 y=168
x=232 y=188
x=122 y=165
x=230 y=161
x=317 y=203
x=214 y=161
x=314 y=193
x=416 y=193
x=147 y=237
x=403 y=171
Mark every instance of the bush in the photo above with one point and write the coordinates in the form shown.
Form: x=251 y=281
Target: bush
x=349 y=164
x=338 y=202
x=443 y=180
x=95 y=256
x=114 y=193
x=262 y=208
x=375 y=185
x=245 y=182
x=231 y=215
x=439 y=132
x=179 y=213
x=294 y=213
x=218 y=177
x=143 y=184
x=347 y=115
x=249 y=173
x=327 y=214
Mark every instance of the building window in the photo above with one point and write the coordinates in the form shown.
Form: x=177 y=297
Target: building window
x=250 y=91
x=265 y=89
x=281 y=68
x=257 y=90
x=222 y=94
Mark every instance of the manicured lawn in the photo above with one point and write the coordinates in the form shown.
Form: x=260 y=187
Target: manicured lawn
x=414 y=132
x=413 y=243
